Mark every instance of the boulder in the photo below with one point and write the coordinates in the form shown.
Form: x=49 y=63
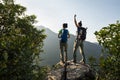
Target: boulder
x=71 y=71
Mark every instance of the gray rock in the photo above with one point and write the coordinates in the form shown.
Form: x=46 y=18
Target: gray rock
x=75 y=71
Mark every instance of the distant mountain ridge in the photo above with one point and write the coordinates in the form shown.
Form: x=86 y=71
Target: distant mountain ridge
x=52 y=50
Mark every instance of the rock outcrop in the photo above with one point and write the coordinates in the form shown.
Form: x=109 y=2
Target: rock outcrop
x=71 y=71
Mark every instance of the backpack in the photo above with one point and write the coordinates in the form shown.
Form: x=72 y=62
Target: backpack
x=83 y=33
x=64 y=35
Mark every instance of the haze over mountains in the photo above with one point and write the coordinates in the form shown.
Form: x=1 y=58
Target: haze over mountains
x=52 y=50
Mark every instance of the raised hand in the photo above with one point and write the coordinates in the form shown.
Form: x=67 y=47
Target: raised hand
x=75 y=20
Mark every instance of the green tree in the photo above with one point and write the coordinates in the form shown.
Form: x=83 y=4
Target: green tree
x=109 y=38
x=20 y=44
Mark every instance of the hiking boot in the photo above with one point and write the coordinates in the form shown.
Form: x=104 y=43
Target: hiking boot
x=74 y=61
x=82 y=62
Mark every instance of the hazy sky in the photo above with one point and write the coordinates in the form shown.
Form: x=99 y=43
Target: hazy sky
x=94 y=14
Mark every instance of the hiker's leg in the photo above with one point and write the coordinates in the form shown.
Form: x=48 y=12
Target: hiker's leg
x=82 y=51
x=66 y=57
x=62 y=52
x=74 y=50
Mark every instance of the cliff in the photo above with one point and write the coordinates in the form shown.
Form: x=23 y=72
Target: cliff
x=71 y=71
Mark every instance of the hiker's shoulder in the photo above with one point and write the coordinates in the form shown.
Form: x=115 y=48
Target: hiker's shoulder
x=82 y=27
x=60 y=30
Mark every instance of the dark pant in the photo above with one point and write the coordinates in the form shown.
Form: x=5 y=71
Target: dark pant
x=78 y=43
x=63 y=54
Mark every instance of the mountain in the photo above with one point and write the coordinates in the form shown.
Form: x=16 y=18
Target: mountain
x=52 y=50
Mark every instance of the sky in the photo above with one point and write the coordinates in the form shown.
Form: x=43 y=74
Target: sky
x=94 y=14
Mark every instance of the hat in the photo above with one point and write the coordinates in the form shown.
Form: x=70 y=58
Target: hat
x=65 y=25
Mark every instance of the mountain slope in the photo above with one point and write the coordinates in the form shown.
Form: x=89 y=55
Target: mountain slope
x=52 y=50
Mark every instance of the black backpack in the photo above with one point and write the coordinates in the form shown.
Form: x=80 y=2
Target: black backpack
x=84 y=32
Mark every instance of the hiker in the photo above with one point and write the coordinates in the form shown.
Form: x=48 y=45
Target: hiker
x=63 y=35
x=81 y=36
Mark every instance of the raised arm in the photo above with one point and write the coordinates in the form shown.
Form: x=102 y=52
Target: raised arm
x=68 y=35
x=59 y=34
x=75 y=20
